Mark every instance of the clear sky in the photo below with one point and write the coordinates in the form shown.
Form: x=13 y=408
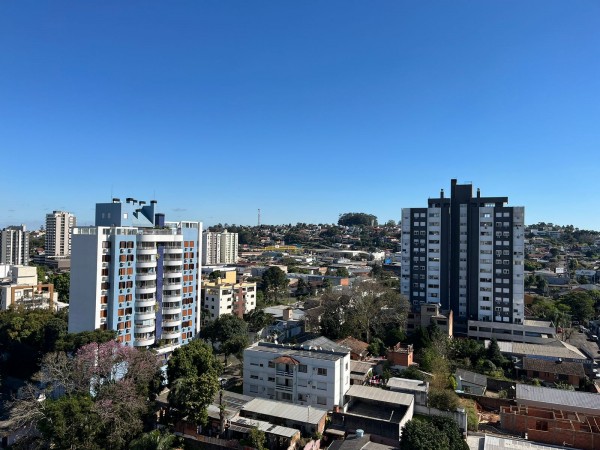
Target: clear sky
x=305 y=109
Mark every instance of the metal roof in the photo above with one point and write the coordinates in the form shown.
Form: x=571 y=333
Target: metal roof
x=407 y=384
x=308 y=351
x=471 y=377
x=563 y=350
x=243 y=425
x=361 y=367
x=498 y=443
x=558 y=398
x=380 y=395
x=303 y=414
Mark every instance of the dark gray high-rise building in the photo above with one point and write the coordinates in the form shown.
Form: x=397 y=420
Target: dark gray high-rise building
x=465 y=252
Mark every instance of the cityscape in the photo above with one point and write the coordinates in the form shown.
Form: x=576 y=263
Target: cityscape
x=299 y=226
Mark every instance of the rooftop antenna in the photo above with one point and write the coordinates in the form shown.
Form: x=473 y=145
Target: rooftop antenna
x=259 y=217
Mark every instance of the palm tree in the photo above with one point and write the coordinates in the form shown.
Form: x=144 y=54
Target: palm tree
x=155 y=440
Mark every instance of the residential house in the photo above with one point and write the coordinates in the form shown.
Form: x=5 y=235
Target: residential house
x=470 y=382
x=555 y=371
x=418 y=388
x=359 y=350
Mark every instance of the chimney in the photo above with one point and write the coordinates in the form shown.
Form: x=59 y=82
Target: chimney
x=287 y=314
x=442 y=193
x=478 y=193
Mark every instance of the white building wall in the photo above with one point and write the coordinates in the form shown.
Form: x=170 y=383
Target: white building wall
x=323 y=384
x=84 y=306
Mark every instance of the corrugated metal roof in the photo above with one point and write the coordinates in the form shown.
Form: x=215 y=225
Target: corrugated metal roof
x=407 y=384
x=561 y=368
x=557 y=398
x=498 y=443
x=304 y=414
x=562 y=350
x=471 y=377
x=380 y=395
x=360 y=366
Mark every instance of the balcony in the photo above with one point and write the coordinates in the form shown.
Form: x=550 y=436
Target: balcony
x=140 y=303
x=146 y=251
x=144 y=328
x=173 y=251
x=172 y=322
x=146 y=290
x=283 y=387
x=170 y=334
x=144 y=342
x=284 y=373
x=145 y=315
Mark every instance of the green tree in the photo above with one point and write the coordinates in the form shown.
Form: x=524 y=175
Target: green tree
x=302 y=288
x=257 y=438
x=193 y=376
x=581 y=305
x=154 y=440
x=274 y=283
x=71 y=422
x=215 y=275
x=354 y=219
x=494 y=354
x=230 y=332
x=257 y=319
x=62 y=283
x=423 y=435
x=342 y=272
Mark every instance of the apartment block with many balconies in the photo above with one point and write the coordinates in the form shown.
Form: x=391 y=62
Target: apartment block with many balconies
x=136 y=274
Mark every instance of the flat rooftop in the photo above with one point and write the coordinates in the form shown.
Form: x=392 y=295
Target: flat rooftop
x=284 y=410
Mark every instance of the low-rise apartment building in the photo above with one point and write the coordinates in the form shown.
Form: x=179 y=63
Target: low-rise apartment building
x=300 y=374
x=226 y=296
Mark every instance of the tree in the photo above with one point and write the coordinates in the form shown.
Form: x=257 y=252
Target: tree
x=494 y=354
x=342 y=272
x=62 y=283
x=230 y=332
x=274 y=283
x=215 y=275
x=581 y=305
x=154 y=440
x=71 y=422
x=257 y=319
x=353 y=219
x=422 y=435
x=257 y=438
x=193 y=376
x=106 y=392
x=302 y=288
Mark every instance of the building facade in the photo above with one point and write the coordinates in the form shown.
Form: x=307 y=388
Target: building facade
x=14 y=246
x=223 y=297
x=219 y=248
x=136 y=274
x=22 y=289
x=59 y=228
x=304 y=375
x=466 y=253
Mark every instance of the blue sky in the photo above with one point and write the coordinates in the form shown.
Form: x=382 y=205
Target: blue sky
x=303 y=109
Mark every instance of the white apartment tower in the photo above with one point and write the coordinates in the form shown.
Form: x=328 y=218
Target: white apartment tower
x=467 y=254
x=14 y=246
x=59 y=227
x=219 y=247
x=137 y=274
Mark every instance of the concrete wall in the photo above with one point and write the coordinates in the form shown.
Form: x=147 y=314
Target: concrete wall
x=459 y=416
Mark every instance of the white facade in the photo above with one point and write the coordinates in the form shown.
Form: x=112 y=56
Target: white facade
x=141 y=282
x=219 y=248
x=14 y=245
x=305 y=376
x=59 y=228
x=228 y=298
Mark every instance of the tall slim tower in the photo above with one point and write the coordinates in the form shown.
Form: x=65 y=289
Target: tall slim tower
x=14 y=245
x=467 y=254
x=59 y=227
